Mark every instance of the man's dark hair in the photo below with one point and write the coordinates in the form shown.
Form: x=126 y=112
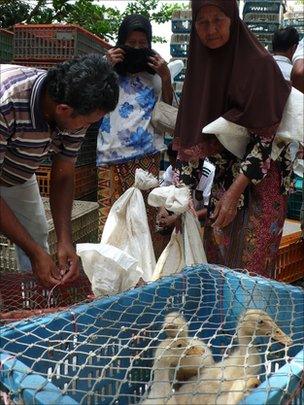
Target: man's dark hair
x=86 y=84
x=284 y=39
x=172 y=153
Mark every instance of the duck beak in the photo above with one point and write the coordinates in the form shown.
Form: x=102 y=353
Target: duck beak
x=281 y=337
x=195 y=351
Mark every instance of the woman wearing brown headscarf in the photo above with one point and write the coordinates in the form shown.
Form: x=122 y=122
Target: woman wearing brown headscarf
x=231 y=75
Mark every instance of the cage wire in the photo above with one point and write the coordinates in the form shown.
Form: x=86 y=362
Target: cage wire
x=207 y=335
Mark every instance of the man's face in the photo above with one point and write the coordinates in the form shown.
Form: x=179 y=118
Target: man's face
x=67 y=120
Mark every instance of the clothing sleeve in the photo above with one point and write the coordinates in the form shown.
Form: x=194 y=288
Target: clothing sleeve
x=188 y=173
x=6 y=127
x=299 y=53
x=208 y=187
x=257 y=162
x=67 y=145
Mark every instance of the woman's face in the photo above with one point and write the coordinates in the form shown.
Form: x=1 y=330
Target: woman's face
x=137 y=39
x=212 y=27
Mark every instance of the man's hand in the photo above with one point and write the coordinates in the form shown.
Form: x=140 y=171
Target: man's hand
x=68 y=262
x=44 y=268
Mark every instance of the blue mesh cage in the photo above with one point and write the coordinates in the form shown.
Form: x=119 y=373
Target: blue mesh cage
x=102 y=352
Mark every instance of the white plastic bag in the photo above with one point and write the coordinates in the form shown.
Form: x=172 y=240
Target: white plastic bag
x=235 y=138
x=127 y=225
x=183 y=249
x=110 y=270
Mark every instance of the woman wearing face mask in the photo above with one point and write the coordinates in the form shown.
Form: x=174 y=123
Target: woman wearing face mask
x=230 y=74
x=126 y=138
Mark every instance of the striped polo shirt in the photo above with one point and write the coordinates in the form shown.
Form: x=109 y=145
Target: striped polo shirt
x=25 y=137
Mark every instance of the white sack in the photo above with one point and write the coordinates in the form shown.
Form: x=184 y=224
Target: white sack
x=235 y=138
x=183 y=249
x=110 y=270
x=127 y=225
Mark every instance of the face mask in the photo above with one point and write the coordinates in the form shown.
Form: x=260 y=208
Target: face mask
x=135 y=61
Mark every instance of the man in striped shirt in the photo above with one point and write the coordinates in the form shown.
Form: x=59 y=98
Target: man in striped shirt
x=47 y=113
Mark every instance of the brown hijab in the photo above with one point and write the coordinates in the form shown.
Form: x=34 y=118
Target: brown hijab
x=239 y=81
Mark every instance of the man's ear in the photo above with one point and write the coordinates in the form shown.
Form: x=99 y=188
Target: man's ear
x=64 y=110
x=293 y=49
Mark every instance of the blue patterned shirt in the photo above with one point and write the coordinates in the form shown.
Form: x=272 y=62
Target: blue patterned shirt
x=126 y=133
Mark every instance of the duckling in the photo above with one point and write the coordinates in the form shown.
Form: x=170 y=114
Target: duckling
x=174 y=354
x=175 y=325
x=215 y=384
x=240 y=389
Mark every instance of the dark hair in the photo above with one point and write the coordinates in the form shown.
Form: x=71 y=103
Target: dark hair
x=86 y=84
x=284 y=39
x=172 y=153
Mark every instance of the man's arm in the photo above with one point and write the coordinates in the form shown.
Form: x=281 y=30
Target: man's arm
x=61 y=201
x=42 y=264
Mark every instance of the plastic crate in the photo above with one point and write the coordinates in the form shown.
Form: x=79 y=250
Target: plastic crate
x=179 y=45
x=290 y=259
x=263 y=7
x=101 y=352
x=35 y=64
x=295 y=199
x=181 y=26
x=262 y=17
x=57 y=42
x=84 y=230
x=181 y=21
x=262 y=27
x=182 y=14
x=85 y=180
x=6 y=45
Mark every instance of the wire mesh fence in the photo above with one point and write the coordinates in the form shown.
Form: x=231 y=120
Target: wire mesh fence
x=231 y=338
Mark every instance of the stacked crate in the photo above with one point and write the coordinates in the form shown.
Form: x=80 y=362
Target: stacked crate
x=263 y=18
x=295 y=19
x=44 y=45
x=181 y=28
x=85 y=171
x=6 y=45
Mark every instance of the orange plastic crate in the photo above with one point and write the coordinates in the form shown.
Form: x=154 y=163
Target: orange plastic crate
x=55 y=42
x=290 y=261
x=45 y=65
x=85 y=180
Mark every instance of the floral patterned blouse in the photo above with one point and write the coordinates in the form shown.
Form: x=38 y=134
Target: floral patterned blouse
x=126 y=133
x=255 y=166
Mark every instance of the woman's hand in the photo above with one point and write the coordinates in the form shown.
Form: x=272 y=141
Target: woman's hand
x=225 y=210
x=160 y=66
x=115 y=55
